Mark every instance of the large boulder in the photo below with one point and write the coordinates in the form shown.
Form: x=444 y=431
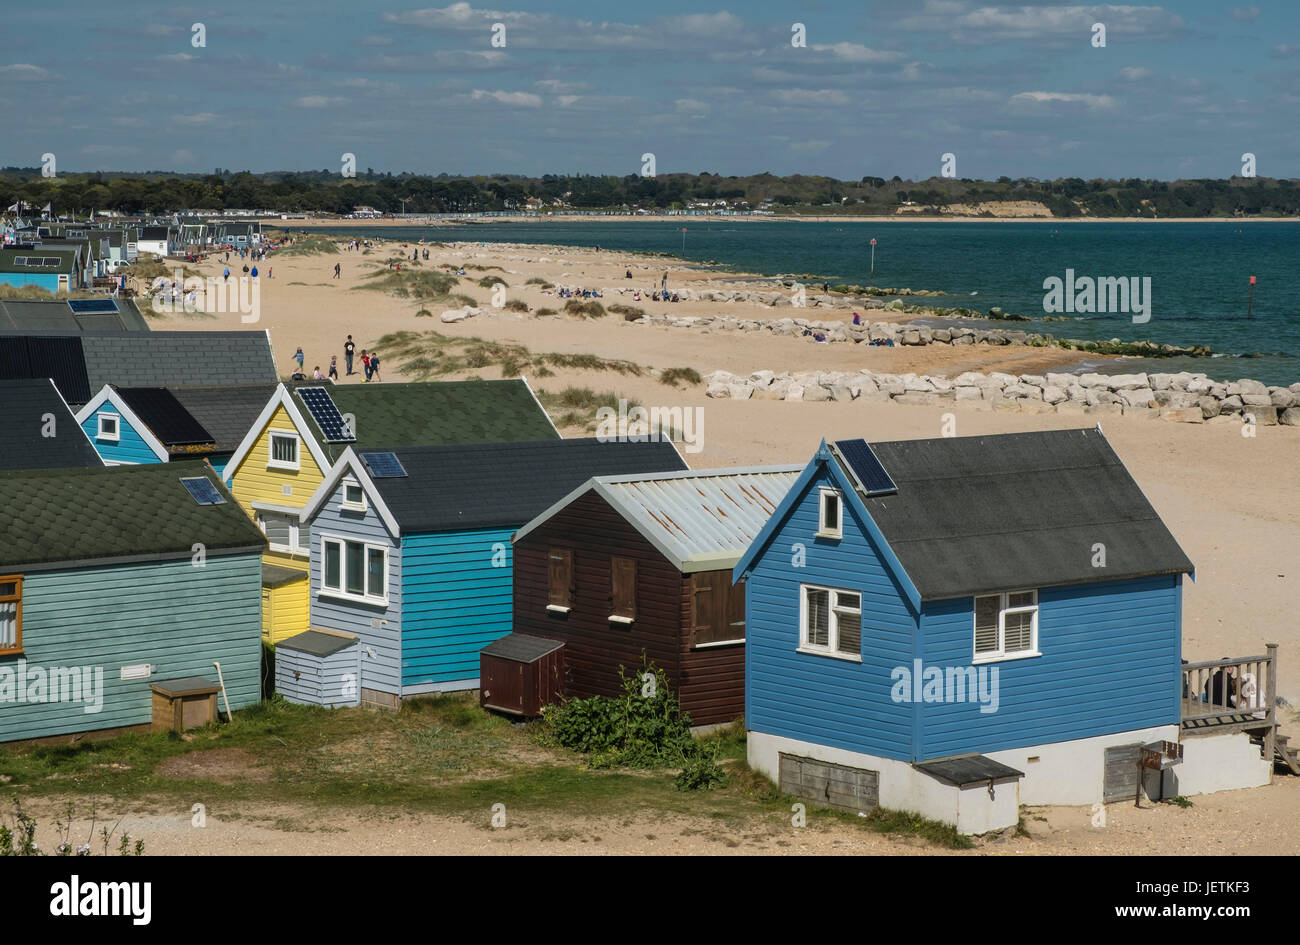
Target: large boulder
x=1120 y=382
x=1183 y=414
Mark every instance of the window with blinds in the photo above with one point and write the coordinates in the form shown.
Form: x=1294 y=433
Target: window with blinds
x=831 y=622
x=1006 y=624
x=11 y=614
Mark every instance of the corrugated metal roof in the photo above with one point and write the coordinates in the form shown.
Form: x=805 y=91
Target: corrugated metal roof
x=702 y=520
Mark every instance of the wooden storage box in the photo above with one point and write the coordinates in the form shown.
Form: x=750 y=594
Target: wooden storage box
x=519 y=674
x=180 y=704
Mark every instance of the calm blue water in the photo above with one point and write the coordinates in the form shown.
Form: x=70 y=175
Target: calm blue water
x=1199 y=271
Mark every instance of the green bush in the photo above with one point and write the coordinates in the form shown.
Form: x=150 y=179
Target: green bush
x=516 y=305
x=644 y=727
x=585 y=309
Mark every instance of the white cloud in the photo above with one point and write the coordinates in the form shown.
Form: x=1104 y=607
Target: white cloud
x=522 y=99
x=318 y=101
x=197 y=118
x=1246 y=14
x=856 y=52
x=811 y=97
x=1071 y=98
x=965 y=22
x=24 y=72
x=692 y=105
x=1134 y=73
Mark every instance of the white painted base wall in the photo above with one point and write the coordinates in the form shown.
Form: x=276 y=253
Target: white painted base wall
x=1218 y=763
x=971 y=810
x=1070 y=773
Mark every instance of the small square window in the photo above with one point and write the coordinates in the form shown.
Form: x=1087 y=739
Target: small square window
x=354 y=497
x=283 y=451
x=109 y=427
x=830 y=514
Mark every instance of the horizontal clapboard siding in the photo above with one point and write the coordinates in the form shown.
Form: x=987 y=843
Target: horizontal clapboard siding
x=821 y=699
x=712 y=684
x=829 y=785
x=176 y=616
x=595 y=647
x=319 y=680
x=130 y=448
x=456 y=600
x=1110 y=657
x=378 y=627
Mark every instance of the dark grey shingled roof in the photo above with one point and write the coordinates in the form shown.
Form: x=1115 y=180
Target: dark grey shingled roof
x=179 y=359
x=317 y=643
x=961 y=770
x=23 y=444
x=520 y=647
x=1021 y=510
x=225 y=412
x=504 y=485
x=54 y=315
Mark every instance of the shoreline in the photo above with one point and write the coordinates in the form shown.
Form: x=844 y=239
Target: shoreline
x=427 y=222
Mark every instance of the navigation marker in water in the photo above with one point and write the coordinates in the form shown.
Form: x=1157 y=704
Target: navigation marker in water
x=1251 y=304
x=873 y=255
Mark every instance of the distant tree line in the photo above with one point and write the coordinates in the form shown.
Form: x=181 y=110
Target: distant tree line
x=327 y=192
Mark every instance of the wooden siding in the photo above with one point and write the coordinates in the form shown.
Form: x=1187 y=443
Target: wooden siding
x=131 y=447
x=285 y=611
x=254 y=482
x=709 y=682
x=171 y=614
x=823 y=699
x=1110 y=655
x=455 y=602
x=330 y=681
x=377 y=626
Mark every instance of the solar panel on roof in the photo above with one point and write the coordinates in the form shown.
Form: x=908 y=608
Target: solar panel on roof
x=866 y=467
x=203 y=491
x=384 y=465
x=325 y=412
x=92 y=306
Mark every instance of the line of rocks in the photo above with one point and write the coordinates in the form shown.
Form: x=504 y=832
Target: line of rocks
x=1182 y=397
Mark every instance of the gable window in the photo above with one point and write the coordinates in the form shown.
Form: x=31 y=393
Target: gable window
x=283 y=451
x=355 y=570
x=1006 y=625
x=11 y=614
x=830 y=513
x=109 y=427
x=717 y=608
x=559 y=580
x=830 y=622
x=354 y=497
x=622 y=591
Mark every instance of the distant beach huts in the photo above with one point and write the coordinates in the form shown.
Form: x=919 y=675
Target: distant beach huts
x=410 y=548
x=631 y=565
x=120 y=587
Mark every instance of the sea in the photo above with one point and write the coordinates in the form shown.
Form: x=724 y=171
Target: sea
x=1200 y=272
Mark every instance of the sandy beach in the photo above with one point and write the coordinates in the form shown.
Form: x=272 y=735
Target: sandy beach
x=1224 y=496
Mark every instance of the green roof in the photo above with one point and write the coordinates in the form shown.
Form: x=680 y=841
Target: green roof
x=65 y=254
x=436 y=413
x=55 y=516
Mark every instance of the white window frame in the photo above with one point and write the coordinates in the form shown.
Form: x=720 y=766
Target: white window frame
x=338 y=592
x=295 y=546
x=116 y=435
x=350 y=482
x=272 y=462
x=831 y=647
x=822 y=530
x=1004 y=608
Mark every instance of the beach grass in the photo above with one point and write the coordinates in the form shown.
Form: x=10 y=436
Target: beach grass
x=404 y=284
x=309 y=246
x=432 y=354
x=584 y=309
x=680 y=375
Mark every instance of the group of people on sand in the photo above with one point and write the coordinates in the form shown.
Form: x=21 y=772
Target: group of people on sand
x=563 y=292
x=369 y=364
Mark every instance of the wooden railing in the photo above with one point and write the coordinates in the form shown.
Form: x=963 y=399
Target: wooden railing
x=1237 y=694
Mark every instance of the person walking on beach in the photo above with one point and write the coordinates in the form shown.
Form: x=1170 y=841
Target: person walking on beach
x=348 y=348
x=337 y=269
x=298 y=356
x=254 y=273
x=334 y=367
x=365 y=364
x=663 y=286
x=374 y=365
x=226 y=275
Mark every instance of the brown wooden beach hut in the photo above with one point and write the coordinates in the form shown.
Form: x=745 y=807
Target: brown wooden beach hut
x=626 y=565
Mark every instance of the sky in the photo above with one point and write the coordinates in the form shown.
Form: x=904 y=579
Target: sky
x=878 y=88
